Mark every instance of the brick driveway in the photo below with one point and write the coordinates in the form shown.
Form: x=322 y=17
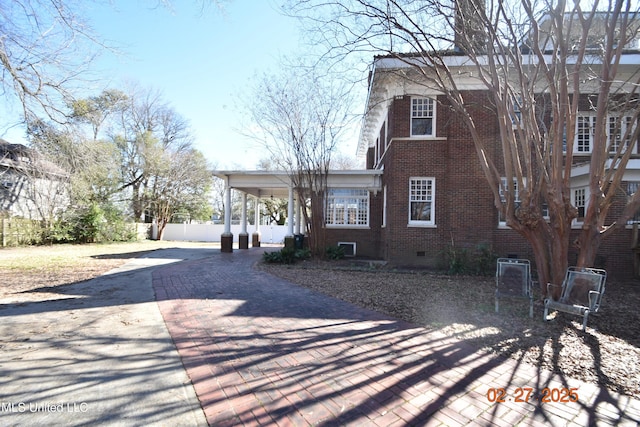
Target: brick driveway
x=262 y=351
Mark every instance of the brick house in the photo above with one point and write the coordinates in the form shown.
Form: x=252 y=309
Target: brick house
x=434 y=192
x=431 y=193
x=423 y=189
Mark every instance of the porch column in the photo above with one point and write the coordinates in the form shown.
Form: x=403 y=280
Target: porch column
x=289 y=239
x=255 y=237
x=243 y=237
x=298 y=212
x=226 y=240
x=299 y=239
x=303 y=225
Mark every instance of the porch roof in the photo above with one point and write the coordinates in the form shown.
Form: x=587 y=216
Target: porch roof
x=260 y=183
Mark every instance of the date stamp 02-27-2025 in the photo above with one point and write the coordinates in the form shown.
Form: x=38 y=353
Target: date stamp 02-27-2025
x=526 y=395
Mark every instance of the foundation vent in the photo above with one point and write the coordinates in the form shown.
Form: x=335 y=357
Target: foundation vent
x=349 y=248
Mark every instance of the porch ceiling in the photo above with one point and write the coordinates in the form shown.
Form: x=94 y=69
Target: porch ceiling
x=277 y=183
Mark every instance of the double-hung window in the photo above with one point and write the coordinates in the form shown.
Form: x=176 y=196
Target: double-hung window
x=632 y=187
x=422 y=201
x=347 y=207
x=516 y=114
x=619 y=128
x=579 y=200
x=619 y=131
x=423 y=117
x=585 y=126
x=515 y=190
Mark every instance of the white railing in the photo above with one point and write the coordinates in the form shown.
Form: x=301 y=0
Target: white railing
x=212 y=232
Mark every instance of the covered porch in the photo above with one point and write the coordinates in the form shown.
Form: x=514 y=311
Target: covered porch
x=257 y=185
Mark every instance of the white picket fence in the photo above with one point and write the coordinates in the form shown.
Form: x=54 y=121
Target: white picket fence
x=212 y=232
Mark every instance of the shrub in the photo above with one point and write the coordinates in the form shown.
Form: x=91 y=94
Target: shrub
x=457 y=260
x=335 y=252
x=480 y=261
x=302 y=254
x=485 y=260
x=286 y=256
x=272 y=257
x=61 y=231
x=87 y=223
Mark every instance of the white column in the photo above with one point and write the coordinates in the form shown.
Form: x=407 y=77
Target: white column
x=303 y=225
x=298 y=212
x=257 y=214
x=243 y=221
x=290 y=213
x=227 y=210
x=255 y=237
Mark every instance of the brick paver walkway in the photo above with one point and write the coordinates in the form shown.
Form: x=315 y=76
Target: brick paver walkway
x=262 y=351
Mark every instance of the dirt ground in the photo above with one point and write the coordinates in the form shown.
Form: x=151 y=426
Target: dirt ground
x=27 y=272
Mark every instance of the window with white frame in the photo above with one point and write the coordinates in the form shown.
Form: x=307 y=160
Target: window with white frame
x=422 y=117
x=584 y=133
x=502 y=221
x=384 y=206
x=516 y=115
x=544 y=208
x=618 y=126
x=347 y=207
x=422 y=201
x=579 y=200
x=619 y=131
x=632 y=187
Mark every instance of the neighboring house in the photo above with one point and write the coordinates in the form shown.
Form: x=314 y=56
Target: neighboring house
x=30 y=186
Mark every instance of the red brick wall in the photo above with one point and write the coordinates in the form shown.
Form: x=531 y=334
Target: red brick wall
x=465 y=214
x=368 y=240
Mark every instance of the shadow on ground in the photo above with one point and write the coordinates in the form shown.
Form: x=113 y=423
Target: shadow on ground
x=95 y=352
x=261 y=350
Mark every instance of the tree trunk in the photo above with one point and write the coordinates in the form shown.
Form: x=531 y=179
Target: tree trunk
x=136 y=200
x=317 y=229
x=161 y=227
x=588 y=243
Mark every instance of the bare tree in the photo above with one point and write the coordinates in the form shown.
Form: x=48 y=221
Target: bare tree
x=340 y=161
x=45 y=46
x=540 y=64
x=144 y=129
x=46 y=49
x=300 y=119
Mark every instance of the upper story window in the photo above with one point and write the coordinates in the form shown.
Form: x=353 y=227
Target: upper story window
x=584 y=133
x=422 y=201
x=619 y=129
x=347 y=207
x=423 y=117
x=516 y=114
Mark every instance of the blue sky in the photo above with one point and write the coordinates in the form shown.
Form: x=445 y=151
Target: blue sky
x=201 y=59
